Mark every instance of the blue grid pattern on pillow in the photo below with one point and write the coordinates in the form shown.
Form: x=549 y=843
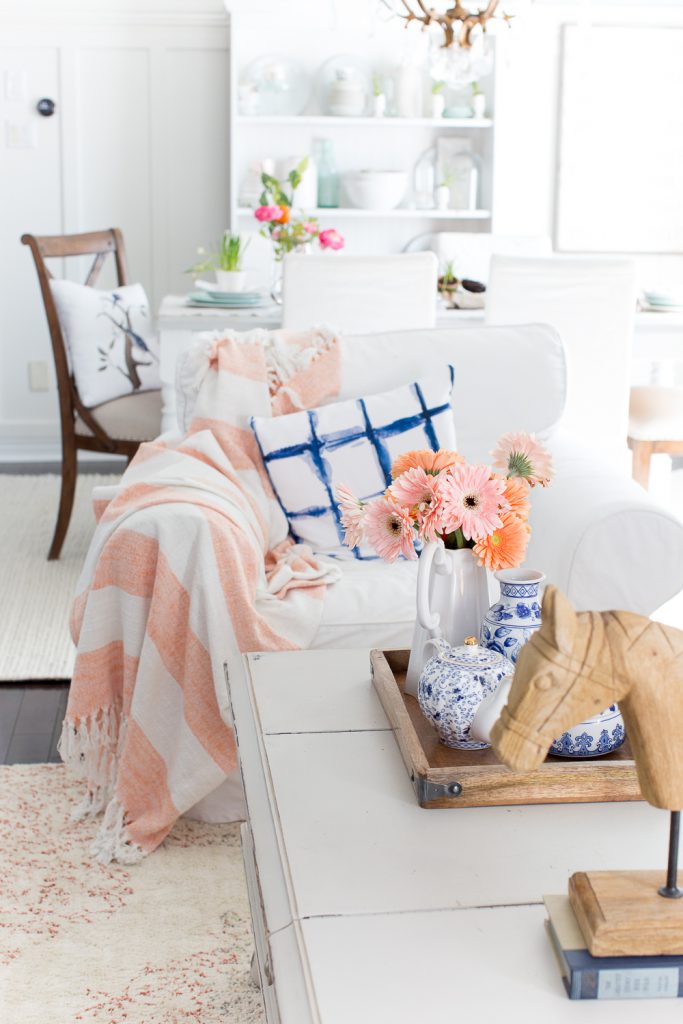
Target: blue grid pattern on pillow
x=355 y=442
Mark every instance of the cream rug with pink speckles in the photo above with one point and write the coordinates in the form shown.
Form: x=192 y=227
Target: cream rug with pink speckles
x=165 y=942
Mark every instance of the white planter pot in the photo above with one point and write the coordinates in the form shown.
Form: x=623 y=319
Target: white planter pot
x=442 y=197
x=479 y=105
x=379 y=105
x=231 y=280
x=438 y=104
x=452 y=599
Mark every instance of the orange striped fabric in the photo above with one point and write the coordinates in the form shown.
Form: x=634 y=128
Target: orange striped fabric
x=190 y=561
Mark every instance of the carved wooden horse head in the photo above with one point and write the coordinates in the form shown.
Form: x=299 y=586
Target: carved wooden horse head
x=575 y=666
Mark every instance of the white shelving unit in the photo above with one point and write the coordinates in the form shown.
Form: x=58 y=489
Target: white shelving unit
x=401 y=212
x=323 y=120
x=375 y=143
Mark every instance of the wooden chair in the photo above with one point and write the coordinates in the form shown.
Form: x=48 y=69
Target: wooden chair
x=655 y=426
x=117 y=427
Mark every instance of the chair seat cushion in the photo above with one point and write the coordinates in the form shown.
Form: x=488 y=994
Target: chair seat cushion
x=656 y=414
x=372 y=605
x=131 y=418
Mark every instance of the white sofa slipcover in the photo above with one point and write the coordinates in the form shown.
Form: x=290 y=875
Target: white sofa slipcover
x=596 y=534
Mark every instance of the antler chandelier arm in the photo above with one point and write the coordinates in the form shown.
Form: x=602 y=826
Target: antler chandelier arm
x=448 y=20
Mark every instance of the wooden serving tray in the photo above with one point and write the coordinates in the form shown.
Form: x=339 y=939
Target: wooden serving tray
x=445 y=777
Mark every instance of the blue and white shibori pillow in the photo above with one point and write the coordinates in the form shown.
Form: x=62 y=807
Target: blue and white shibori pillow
x=307 y=454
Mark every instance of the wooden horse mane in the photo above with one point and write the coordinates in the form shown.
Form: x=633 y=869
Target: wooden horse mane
x=625 y=657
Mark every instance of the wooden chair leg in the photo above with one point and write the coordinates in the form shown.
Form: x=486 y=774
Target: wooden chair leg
x=642 y=453
x=66 y=500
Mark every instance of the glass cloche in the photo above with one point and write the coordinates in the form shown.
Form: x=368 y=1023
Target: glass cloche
x=273 y=86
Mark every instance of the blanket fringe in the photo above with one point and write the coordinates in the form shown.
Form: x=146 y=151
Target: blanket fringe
x=111 y=843
x=90 y=748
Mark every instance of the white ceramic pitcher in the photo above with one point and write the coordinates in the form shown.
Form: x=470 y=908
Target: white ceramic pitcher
x=452 y=599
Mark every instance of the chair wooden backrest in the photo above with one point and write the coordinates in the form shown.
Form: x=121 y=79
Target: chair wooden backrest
x=92 y=243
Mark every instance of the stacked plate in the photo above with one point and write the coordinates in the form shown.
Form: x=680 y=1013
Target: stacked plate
x=226 y=300
x=663 y=302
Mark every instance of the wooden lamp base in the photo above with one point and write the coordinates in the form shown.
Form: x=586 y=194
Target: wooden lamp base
x=622 y=914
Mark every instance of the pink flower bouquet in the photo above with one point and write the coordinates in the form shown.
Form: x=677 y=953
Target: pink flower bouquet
x=287 y=230
x=437 y=495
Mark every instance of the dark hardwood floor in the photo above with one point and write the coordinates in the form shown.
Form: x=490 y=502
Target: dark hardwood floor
x=31 y=716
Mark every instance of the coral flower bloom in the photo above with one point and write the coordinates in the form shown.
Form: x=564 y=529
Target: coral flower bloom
x=421 y=493
x=473 y=501
x=517 y=496
x=431 y=462
x=352 y=515
x=285 y=214
x=389 y=530
x=522 y=455
x=506 y=546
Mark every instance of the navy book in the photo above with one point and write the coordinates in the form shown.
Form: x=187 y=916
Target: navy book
x=606 y=977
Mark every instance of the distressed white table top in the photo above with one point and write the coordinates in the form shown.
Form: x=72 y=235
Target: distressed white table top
x=373 y=894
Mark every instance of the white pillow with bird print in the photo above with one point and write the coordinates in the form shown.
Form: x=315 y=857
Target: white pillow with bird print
x=112 y=348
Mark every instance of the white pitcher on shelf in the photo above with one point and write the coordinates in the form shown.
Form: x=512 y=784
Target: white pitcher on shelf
x=452 y=599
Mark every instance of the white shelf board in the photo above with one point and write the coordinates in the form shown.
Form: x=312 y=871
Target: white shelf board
x=348 y=212
x=410 y=122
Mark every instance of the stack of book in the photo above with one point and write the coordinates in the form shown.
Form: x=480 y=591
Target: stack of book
x=606 y=977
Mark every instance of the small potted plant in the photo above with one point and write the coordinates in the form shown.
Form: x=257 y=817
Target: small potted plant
x=226 y=263
x=478 y=101
x=379 y=97
x=438 y=99
x=448 y=283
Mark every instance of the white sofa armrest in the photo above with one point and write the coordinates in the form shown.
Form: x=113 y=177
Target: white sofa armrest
x=601 y=539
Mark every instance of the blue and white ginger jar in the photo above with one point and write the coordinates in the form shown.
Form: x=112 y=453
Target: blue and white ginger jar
x=516 y=616
x=453 y=684
x=508 y=625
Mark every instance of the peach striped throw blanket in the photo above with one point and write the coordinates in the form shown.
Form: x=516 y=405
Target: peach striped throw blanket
x=190 y=562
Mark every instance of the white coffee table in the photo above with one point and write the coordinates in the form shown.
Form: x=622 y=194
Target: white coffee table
x=368 y=909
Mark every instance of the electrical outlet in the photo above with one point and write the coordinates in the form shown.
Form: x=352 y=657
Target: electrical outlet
x=38 y=376
x=20 y=135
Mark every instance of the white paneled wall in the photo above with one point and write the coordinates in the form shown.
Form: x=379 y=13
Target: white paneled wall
x=139 y=140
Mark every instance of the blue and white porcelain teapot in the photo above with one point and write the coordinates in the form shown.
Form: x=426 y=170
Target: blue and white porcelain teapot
x=453 y=684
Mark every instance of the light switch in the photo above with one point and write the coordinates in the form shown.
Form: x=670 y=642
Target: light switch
x=20 y=135
x=15 y=85
x=38 y=376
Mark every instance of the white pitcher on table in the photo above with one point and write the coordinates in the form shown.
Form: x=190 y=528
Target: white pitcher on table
x=452 y=599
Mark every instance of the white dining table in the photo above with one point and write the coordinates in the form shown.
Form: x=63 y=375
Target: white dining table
x=657 y=345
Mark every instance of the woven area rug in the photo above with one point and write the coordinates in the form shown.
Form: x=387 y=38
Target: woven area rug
x=35 y=595
x=165 y=942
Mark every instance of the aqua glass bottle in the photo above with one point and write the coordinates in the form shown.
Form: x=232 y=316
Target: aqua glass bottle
x=328 y=179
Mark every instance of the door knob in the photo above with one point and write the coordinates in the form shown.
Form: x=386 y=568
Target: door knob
x=46 y=107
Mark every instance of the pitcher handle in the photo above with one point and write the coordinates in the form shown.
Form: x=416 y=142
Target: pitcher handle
x=432 y=554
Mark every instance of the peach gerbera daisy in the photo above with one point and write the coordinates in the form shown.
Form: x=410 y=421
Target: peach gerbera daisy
x=517 y=496
x=506 y=546
x=522 y=455
x=389 y=529
x=431 y=462
x=352 y=515
x=473 y=501
x=421 y=493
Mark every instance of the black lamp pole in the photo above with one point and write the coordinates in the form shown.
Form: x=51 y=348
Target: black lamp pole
x=671 y=890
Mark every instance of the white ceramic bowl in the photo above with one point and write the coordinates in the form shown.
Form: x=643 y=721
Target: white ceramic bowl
x=376 y=190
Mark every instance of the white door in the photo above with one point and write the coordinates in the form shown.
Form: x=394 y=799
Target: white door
x=30 y=200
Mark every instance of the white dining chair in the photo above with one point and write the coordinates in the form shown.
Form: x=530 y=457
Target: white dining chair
x=360 y=294
x=591 y=302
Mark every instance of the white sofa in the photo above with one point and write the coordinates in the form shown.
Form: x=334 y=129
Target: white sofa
x=596 y=534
